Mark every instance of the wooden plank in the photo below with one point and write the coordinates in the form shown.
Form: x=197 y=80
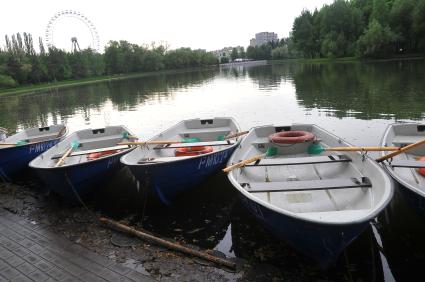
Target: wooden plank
x=307 y=185
x=301 y=161
x=195 y=144
x=86 y=152
x=407 y=163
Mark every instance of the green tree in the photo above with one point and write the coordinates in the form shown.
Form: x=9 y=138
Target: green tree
x=377 y=41
x=303 y=34
x=234 y=54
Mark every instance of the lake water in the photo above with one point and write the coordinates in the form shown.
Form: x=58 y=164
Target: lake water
x=356 y=101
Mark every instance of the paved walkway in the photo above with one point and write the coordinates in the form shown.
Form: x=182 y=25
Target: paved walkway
x=29 y=252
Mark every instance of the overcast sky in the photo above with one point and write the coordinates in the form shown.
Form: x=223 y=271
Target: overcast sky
x=202 y=24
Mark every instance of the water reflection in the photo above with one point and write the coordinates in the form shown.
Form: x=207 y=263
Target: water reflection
x=21 y=111
x=403 y=231
x=363 y=90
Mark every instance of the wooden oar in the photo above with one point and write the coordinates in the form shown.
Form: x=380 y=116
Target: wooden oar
x=14 y=144
x=74 y=145
x=317 y=148
x=243 y=163
x=368 y=149
x=164 y=142
x=61 y=132
x=402 y=150
x=236 y=135
x=271 y=151
x=61 y=160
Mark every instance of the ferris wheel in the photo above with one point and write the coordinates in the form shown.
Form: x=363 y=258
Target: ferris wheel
x=50 y=29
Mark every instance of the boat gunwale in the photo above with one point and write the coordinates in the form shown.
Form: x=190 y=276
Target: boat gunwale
x=374 y=211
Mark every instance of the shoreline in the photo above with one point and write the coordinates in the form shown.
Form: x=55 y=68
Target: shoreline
x=30 y=89
x=350 y=59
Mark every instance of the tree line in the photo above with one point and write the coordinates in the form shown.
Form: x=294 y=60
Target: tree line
x=20 y=64
x=346 y=28
x=362 y=28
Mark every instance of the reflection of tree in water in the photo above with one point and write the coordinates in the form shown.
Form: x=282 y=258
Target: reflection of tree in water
x=35 y=109
x=363 y=90
x=270 y=76
x=234 y=71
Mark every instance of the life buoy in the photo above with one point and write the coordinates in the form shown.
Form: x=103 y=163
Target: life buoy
x=291 y=137
x=421 y=170
x=94 y=156
x=193 y=151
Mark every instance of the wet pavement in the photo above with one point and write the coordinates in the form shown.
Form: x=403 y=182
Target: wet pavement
x=30 y=252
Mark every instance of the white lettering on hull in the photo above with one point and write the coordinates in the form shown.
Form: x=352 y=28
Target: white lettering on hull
x=213 y=160
x=41 y=147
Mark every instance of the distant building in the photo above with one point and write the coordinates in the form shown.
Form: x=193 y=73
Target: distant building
x=252 y=42
x=225 y=52
x=263 y=38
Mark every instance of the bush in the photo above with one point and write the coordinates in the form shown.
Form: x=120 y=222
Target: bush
x=7 y=81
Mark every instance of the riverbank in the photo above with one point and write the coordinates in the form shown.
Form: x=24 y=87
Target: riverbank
x=351 y=59
x=28 y=89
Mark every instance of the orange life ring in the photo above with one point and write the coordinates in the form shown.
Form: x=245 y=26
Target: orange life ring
x=421 y=170
x=193 y=151
x=291 y=137
x=94 y=156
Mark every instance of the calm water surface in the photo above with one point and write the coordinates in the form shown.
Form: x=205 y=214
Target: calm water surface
x=356 y=101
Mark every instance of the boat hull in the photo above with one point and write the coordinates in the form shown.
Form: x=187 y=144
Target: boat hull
x=321 y=242
x=169 y=180
x=15 y=159
x=83 y=179
x=414 y=200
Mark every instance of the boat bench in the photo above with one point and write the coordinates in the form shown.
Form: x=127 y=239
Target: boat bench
x=213 y=130
x=43 y=137
x=407 y=139
x=107 y=138
x=301 y=161
x=407 y=163
x=307 y=185
x=195 y=144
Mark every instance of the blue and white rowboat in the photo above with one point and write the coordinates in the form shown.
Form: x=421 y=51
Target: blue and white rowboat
x=94 y=156
x=18 y=150
x=404 y=168
x=317 y=203
x=158 y=168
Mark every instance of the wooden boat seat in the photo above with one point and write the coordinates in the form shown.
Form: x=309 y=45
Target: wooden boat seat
x=42 y=137
x=403 y=140
x=407 y=163
x=301 y=161
x=97 y=139
x=196 y=144
x=307 y=185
